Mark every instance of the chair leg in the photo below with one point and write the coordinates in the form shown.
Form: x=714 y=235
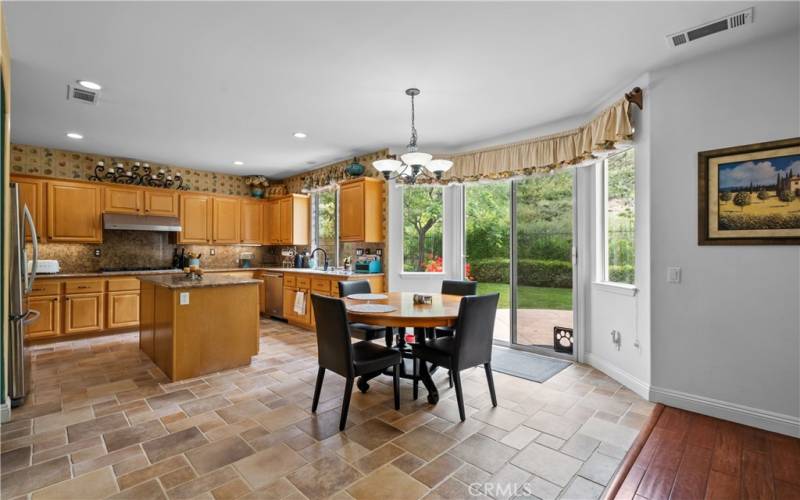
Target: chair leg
x=450 y=377
x=348 y=390
x=317 y=389
x=396 y=384
x=459 y=394
x=490 y=379
x=416 y=379
x=389 y=337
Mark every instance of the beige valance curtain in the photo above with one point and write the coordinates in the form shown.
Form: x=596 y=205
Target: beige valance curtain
x=543 y=154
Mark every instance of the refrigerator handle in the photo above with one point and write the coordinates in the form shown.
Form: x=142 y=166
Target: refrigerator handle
x=35 y=241
x=31 y=316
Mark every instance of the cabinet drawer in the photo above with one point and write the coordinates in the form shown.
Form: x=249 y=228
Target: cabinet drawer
x=122 y=284
x=303 y=282
x=45 y=288
x=289 y=280
x=83 y=286
x=321 y=285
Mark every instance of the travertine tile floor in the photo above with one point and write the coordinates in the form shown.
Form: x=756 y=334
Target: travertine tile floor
x=102 y=421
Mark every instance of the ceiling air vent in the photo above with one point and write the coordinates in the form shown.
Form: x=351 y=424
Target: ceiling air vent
x=732 y=21
x=82 y=95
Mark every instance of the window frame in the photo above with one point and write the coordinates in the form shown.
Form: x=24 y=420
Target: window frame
x=332 y=259
x=422 y=274
x=602 y=278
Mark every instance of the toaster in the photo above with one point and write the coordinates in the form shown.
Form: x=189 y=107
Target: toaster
x=45 y=266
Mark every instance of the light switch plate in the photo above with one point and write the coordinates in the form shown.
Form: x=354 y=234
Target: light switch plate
x=184 y=298
x=673 y=275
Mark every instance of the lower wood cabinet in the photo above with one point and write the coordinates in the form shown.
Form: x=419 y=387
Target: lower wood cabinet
x=49 y=322
x=122 y=309
x=83 y=312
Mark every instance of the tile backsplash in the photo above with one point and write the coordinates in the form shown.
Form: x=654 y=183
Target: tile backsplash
x=139 y=249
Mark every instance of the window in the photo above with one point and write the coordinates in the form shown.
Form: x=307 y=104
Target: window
x=423 y=211
x=620 y=215
x=325 y=230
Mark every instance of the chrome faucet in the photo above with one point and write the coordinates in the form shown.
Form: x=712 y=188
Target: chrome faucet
x=324 y=254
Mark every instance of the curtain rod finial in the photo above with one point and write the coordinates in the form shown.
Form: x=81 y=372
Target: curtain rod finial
x=636 y=97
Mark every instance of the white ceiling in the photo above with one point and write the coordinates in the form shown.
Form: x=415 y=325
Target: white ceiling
x=202 y=84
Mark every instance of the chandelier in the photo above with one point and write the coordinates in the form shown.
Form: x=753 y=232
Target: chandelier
x=413 y=163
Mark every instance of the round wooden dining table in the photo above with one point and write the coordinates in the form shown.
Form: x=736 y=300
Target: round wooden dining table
x=442 y=311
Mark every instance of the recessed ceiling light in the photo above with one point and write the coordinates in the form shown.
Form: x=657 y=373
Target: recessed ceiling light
x=74 y=135
x=300 y=135
x=237 y=162
x=90 y=84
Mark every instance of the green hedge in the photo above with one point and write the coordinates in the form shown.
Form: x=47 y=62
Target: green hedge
x=531 y=272
x=621 y=274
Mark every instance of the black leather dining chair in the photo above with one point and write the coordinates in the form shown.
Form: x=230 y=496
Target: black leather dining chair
x=363 y=331
x=451 y=287
x=470 y=346
x=338 y=353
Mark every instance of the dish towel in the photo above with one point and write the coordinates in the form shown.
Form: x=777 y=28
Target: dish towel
x=300 y=303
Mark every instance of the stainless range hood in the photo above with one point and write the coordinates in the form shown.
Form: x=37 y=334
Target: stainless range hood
x=141 y=222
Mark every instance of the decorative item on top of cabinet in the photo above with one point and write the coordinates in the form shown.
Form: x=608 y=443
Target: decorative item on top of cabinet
x=226 y=220
x=195 y=215
x=73 y=212
x=361 y=210
x=252 y=221
x=31 y=193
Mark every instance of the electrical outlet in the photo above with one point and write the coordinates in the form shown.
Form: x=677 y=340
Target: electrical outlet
x=673 y=275
x=184 y=300
x=212 y=251
x=97 y=252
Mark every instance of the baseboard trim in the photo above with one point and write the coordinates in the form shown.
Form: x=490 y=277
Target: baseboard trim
x=633 y=383
x=5 y=411
x=746 y=415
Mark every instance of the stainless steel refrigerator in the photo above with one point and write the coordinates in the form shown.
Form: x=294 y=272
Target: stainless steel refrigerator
x=21 y=282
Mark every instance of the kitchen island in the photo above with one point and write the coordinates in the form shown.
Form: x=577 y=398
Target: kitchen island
x=195 y=327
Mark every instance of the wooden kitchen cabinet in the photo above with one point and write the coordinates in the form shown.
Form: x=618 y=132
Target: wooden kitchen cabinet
x=252 y=222
x=31 y=193
x=83 y=313
x=361 y=210
x=49 y=322
x=294 y=219
x=161 y=203
x=272 y=222
x=195 y=216
x=123 y=200
x=122 y=309
x=73 y=212
x=226 y=220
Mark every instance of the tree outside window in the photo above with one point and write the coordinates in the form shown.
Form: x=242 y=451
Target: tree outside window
x=620 y=217
x=423 y=210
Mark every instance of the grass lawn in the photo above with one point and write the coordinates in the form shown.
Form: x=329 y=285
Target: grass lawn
x=530 y=297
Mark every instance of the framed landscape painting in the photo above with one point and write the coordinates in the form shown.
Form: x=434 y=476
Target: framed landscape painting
x=750 y=195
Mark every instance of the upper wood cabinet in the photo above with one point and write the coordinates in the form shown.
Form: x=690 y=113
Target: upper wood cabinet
x=123 y=200
x=361 y=210
x=195 y=215
x=252 y=221
x=294 y=220
x=73 y=212
x=31 y=193
x=161 y=203
x=272 y=222
x=226 y=220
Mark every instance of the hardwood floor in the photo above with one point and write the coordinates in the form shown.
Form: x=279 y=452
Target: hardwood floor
x=693 y=456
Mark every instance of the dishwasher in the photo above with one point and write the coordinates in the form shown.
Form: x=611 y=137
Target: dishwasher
x=274 y=294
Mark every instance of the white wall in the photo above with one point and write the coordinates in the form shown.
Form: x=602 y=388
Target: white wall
x=726 y=341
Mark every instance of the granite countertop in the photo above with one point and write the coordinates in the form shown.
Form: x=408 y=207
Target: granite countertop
x=318 y=271
x=209 y=280
x=101 y=274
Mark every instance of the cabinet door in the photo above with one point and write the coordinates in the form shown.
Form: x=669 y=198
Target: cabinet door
x=226 y=220
x=122 y=200
x=301 y=220
x=73 y=212
x=49 y=322
x=252 y=221
x=122 y=309
x=156 y=203
x=351 y=212
x=285 y=224
x=273 y=222
x=195 y=219
x=83 y=313
x=31 y=193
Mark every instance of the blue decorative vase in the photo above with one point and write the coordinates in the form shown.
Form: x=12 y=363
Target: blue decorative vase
x=355 y=169
x=257 y=191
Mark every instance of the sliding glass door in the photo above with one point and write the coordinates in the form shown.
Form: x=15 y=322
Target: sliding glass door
x=518 y=241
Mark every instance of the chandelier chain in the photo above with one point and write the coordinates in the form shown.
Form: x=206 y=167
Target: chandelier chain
x=412 y=145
